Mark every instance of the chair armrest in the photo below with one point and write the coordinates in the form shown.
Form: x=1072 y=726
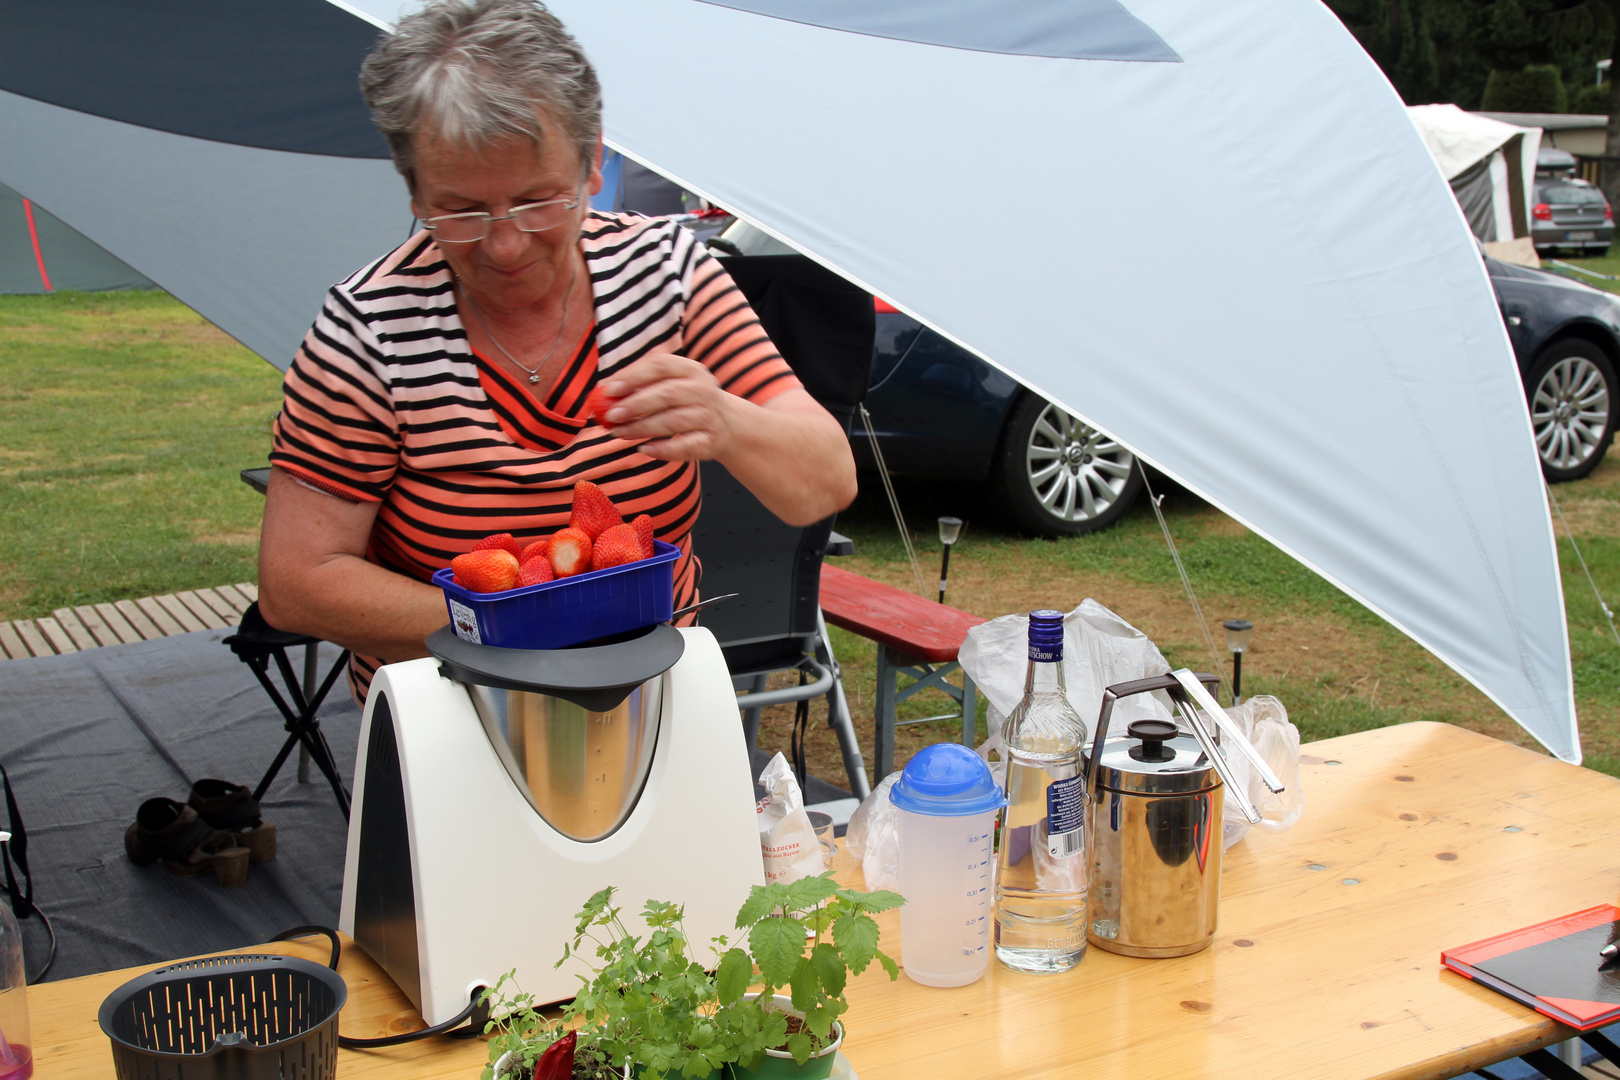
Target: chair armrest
x=257 y=479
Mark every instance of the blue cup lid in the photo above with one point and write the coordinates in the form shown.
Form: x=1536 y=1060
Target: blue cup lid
x=946 y=780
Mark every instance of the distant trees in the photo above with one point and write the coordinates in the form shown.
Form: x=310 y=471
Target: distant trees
x=1495 y=55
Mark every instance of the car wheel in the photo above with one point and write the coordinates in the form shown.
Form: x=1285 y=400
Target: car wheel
x=1058 y=476
x=1596 y=253
x=1572 y=393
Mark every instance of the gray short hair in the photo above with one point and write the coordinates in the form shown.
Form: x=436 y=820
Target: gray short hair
x=473 y=72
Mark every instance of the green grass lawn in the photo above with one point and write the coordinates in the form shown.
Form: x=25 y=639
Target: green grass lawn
x=125 y=418
x=1336 y=666
x=1608 y=264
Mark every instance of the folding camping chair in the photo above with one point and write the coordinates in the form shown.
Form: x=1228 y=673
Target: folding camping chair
x=256 y=643
x=823 y=327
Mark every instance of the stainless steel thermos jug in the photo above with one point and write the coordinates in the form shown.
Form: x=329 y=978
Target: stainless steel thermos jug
x=1156 y=798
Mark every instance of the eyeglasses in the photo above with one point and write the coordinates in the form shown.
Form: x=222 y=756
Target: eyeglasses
x=530 y=217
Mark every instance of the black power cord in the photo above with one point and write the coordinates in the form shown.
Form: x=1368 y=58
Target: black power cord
x=21 y=897
x=475 y=1015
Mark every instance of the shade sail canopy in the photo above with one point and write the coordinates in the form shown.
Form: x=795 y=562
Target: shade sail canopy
x=1210 y=230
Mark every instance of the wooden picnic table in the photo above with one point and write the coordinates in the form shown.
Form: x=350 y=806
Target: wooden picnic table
x=1326 y=963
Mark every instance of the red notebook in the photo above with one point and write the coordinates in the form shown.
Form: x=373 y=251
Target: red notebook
x=1553 y=967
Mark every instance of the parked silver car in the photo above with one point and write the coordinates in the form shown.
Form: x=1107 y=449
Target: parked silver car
x=1570 y=215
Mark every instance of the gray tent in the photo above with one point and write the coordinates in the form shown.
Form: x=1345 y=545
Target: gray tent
x=39 y=254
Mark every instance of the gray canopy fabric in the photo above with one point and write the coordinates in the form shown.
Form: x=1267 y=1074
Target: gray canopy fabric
x=38 y=254
x=1229 y=249
x=250 y=238
x=221 y=149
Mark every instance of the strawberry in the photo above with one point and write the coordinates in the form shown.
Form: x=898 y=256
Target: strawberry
x=597 y=405
x=557 y=1063
x=615 y=547
x=500 y=542
x=534 y=550
x=570 y=552
x=490 y=570
x=644 y=533
x=537 y=571
x=592 y=510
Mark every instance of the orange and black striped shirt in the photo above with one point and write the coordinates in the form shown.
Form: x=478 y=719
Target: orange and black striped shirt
x=386 y=402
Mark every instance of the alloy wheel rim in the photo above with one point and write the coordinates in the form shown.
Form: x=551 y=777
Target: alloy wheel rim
x=1075 y=471
x=1570 y=413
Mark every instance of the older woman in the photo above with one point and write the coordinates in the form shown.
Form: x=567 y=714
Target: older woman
x=442 y=393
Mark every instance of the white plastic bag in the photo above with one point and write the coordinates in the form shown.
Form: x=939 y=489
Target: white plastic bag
x=1264 y=722
x=1099 y=650
x=787 y=840
x=873 y=837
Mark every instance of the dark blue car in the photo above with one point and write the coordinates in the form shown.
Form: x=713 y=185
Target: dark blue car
x=939 y=411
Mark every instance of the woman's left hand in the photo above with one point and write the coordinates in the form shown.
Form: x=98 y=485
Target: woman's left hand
x=789 y=451
x=672 y=406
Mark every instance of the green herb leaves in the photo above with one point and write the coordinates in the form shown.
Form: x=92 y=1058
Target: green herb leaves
x=788 y=928
x=648 y=1002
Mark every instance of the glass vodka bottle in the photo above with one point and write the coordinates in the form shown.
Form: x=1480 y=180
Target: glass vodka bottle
x=1041 y=866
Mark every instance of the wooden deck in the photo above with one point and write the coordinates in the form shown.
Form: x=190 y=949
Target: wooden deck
x=68 y=630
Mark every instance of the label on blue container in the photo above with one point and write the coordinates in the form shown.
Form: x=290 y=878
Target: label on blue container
x=1046 y=654
x=464 y=620
x=1065 y=817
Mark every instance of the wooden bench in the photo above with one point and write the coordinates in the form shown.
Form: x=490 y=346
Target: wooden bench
x=915 y=637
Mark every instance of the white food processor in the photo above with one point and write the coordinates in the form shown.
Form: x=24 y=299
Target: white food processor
x=497 y=789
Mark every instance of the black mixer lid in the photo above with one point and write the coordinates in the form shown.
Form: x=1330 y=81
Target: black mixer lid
x=594 y=677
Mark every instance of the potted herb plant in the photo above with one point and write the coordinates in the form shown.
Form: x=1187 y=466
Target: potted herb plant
x=650 y=1010
x=806 y=937
x=649 y=1004
x=526 y=1045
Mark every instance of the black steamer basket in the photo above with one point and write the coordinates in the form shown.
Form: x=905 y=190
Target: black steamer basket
x=253 y=1017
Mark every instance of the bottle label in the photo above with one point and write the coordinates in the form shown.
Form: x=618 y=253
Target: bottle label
x=1046 y=654
x=1065 y=817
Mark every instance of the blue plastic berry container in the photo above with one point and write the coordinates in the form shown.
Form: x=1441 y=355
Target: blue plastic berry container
x=566 y=612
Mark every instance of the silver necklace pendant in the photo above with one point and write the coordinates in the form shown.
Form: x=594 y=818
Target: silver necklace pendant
x=534 y=372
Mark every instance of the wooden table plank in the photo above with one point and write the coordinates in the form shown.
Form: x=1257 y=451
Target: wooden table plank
x=11 y=643
x=1308 y=975
x=58 y=637
x=28 y=630
x=80 y=633
x=118 y=624
x=249 y=590
x=143 y=616
x=204 y=612
x=178 y=613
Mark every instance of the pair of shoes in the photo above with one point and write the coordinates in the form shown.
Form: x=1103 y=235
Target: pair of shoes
x=171 y=831
x=231 y=808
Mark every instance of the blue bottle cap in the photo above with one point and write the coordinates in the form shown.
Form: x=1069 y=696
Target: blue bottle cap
x=1046 y=636
x=946 y=780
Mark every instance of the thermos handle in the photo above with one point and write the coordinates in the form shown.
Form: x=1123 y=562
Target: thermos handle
x=1124 y=690
x=1205 y=701
x=1211 y=751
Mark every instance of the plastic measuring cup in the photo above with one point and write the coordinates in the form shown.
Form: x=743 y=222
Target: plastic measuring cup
x=947 y=801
